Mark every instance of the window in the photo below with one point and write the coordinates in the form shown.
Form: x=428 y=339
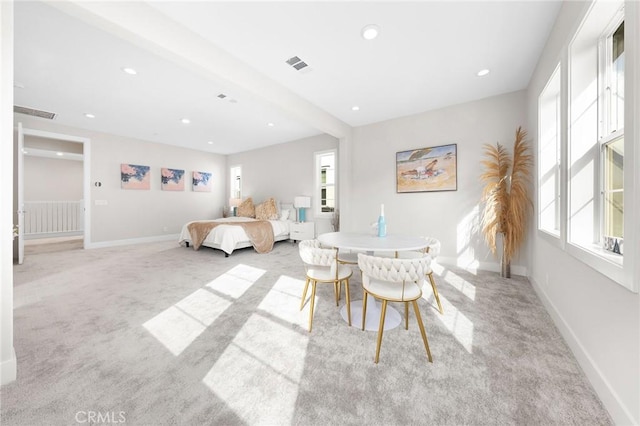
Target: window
x=325 y=172
x=613 y=191
x=549 y=156
x=236 y=182
x=611 y=136
x=592 y=190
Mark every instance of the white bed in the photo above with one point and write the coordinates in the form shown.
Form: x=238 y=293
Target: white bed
x=231 y=237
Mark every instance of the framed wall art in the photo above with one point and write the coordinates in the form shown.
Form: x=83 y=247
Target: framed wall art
x=427 y=169
x=201 y=181
x=133 y=176
x=172 y=179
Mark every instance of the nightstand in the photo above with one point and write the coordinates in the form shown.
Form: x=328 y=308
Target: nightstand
x=299 y=231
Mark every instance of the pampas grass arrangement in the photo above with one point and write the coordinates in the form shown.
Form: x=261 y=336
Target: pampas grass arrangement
x=506 y=197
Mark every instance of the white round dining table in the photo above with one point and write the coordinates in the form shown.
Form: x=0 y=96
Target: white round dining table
x=370 y=244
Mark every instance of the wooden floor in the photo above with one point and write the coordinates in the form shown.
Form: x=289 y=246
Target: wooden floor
x=49 y=245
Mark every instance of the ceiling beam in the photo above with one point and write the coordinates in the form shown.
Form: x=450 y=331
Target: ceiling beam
x=147 y=27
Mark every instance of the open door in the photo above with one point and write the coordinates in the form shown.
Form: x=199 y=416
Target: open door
x=20 y=194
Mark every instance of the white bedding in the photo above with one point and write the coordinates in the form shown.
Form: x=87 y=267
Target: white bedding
x=230 y=237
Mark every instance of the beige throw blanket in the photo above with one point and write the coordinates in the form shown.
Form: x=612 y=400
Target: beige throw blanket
x=260 y=233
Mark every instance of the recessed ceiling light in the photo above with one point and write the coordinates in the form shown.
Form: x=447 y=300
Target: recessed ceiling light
x=355 y=108
x=185 y=121
x=129 y=71
x=89 y=115
x=270 y=124
x=210 y=142
x=369 y=32
x=60 y=154
x=482 y=73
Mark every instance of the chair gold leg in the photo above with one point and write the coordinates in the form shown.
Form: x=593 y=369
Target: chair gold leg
x=313 y=302
x=364 y=308
x=336 y=291
x=348 y=297
x=304 y=293
x=383 y=314
x=435 y=292
x=424 y=334
x=406 y=315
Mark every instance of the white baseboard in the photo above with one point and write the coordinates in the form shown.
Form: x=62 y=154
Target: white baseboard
x=618 y=411
x=116 y=243
x=475 y=265
x=9 y=369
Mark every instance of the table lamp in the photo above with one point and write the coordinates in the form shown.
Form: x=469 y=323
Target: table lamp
x=301 y=203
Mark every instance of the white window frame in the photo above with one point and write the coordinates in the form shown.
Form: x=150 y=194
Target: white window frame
x=549 y=127
x=583 y=138
x=608 y=132
x=235 y=173
x=318 y=185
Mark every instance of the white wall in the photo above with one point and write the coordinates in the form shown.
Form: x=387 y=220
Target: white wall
x=131 y=215
x=283 y=171
x=7 y=353
x=599 y=318
x=52 y=179
x=452 y=216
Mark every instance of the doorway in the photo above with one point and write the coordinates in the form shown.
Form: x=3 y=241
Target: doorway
x=53 y=191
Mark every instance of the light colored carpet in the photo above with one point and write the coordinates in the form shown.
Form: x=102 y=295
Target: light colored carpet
x=158 y=334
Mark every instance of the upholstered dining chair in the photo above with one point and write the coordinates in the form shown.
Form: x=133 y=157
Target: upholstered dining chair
x=433 y=250
x=394 y=280
x=347 y=257
x=321 y=267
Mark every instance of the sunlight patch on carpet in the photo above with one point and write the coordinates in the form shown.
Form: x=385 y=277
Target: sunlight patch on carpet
x=259 y=373
x=457 y=323
x=283 y=301
x=237 y=280
x=456 y=281
x=179 y=325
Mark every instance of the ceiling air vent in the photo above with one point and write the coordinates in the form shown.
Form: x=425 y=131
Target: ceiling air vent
x=34 y=112
x=222 y=96
x=298 y=64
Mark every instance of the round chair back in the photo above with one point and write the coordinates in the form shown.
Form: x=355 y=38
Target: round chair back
x=394 y=269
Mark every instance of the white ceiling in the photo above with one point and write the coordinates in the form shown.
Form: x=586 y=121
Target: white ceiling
x=69 y=56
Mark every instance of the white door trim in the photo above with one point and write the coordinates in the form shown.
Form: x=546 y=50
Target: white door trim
x=86 y=163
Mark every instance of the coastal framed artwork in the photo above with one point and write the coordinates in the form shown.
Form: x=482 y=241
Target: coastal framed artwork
x=201 y=181
x=172 y=179
x=427 y=169
x=134 y=176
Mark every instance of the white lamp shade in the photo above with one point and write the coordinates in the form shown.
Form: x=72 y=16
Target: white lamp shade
x=302 y=202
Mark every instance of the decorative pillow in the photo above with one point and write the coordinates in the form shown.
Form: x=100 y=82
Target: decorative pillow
x=246 y=208
x=284 y=215
x=267 y=210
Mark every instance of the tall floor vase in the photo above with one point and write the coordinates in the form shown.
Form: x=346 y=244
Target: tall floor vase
x=505 y=265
